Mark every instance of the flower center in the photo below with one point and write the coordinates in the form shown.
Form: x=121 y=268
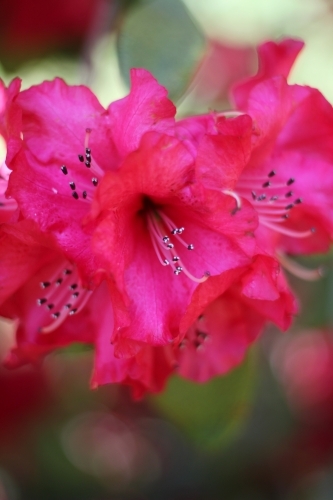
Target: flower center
x=64 y=296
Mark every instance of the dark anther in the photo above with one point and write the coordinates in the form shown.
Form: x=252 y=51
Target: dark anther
x=88 y=157
x=298 y=201
x=84 y=194
x=58 y=282
x=274 y=198
x=201 y=334
x=45 y=284
x=73 y=287
x=64 y=169
x=254 y=196
x=196 y=343
x=288 y=207
x=87 y=164
x=266 y=184
x=67 y=271
x=272 y=173
x=50 y=306
x=75 y=295
x=68 y=306
x=291 y=181
x=190 y=247
x=72 y=185
x=285 y=216
x=201 y=316
x=94 y=180
x=262 y=197
x=75 y=195
x=289 y=194
x=165 y=239
x=88 y=151
x=56 y=315
x=175 y=258
x=40 y=302
x=73 y=311
x=81 y=158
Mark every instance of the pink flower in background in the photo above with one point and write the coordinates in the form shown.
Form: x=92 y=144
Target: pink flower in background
x=221 y=67
x=309 y=391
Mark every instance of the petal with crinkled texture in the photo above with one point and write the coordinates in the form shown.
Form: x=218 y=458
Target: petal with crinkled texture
x=275 y=58
x=219 y=339
x=145 y=108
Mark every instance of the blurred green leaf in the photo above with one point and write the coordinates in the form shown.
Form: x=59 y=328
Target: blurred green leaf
x=211 y=413
x=161 y=37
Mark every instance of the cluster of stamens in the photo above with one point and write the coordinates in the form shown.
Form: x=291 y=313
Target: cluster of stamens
x=64 y=297
x=165 y=249
x=272 y=200
x=84 y=186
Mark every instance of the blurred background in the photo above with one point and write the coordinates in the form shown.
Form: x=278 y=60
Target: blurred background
x=265 y=431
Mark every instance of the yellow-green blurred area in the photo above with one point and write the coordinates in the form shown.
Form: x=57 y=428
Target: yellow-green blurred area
x=262 y=432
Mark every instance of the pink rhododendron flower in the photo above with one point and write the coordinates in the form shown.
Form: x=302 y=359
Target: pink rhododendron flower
x=139 y=235
x=131 y=225
x=289 y=175
x=43 y=291
x=287 y=170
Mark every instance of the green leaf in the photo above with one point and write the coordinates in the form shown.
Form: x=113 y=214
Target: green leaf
x=211 y=413
x=161 y=37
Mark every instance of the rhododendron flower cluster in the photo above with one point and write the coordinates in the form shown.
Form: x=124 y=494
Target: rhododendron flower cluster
x=161 y=242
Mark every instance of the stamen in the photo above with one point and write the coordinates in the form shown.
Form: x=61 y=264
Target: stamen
x=287 y=231
x=157 y=222
x=81 y=158
x=64 y=169
x=57 y=298
x=237 y=198
x=86 y=139
x=298 y=270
